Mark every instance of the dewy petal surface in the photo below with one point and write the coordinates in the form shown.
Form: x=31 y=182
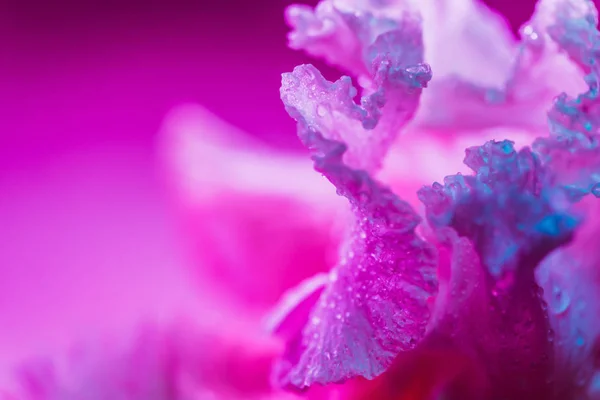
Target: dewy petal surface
x=498 y=225
x=368 y=130
x=375 y=305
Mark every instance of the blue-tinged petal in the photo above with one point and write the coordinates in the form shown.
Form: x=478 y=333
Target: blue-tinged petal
x=506 y=218
x=571 y=276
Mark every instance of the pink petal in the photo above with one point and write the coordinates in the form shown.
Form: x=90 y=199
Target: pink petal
x=369 y=130
x=499 y=82
x=375 y=305
x=467 y=40
x=175 y=363
x=503 y=223
x=428 y=372
x=293 y=309
x=253 y=231
x=470 y=99
x=342 y=32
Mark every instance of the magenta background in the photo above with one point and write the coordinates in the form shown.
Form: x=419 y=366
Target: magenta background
x=87 y=239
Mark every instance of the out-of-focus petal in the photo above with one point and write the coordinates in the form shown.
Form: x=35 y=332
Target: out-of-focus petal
x=466 y=40
x=504 y=220
x=206 y=154
x=499 y=82
x=292 y=311
x=375 y=305
x=180 y=362
x=257 y=221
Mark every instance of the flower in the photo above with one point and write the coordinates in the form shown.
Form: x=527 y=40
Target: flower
x=479 y=294
x=452 y=307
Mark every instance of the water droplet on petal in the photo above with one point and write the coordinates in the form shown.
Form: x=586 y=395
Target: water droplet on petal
x=321 y=110
x=559 y=300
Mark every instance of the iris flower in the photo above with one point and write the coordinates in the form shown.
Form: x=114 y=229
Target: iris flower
x=494 y=294
x=483 y=286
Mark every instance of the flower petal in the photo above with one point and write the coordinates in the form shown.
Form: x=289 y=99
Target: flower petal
x=467 y=40
x=499 y=82
x=375 y=305
x=158 y=363
x=503 y=222
x=368 y=130
x=253 y=231
x=291 y=313
x=511 y=191
x=342 y=32
x=570 y=276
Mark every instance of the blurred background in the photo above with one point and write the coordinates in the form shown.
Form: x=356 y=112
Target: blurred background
x=85 y=85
